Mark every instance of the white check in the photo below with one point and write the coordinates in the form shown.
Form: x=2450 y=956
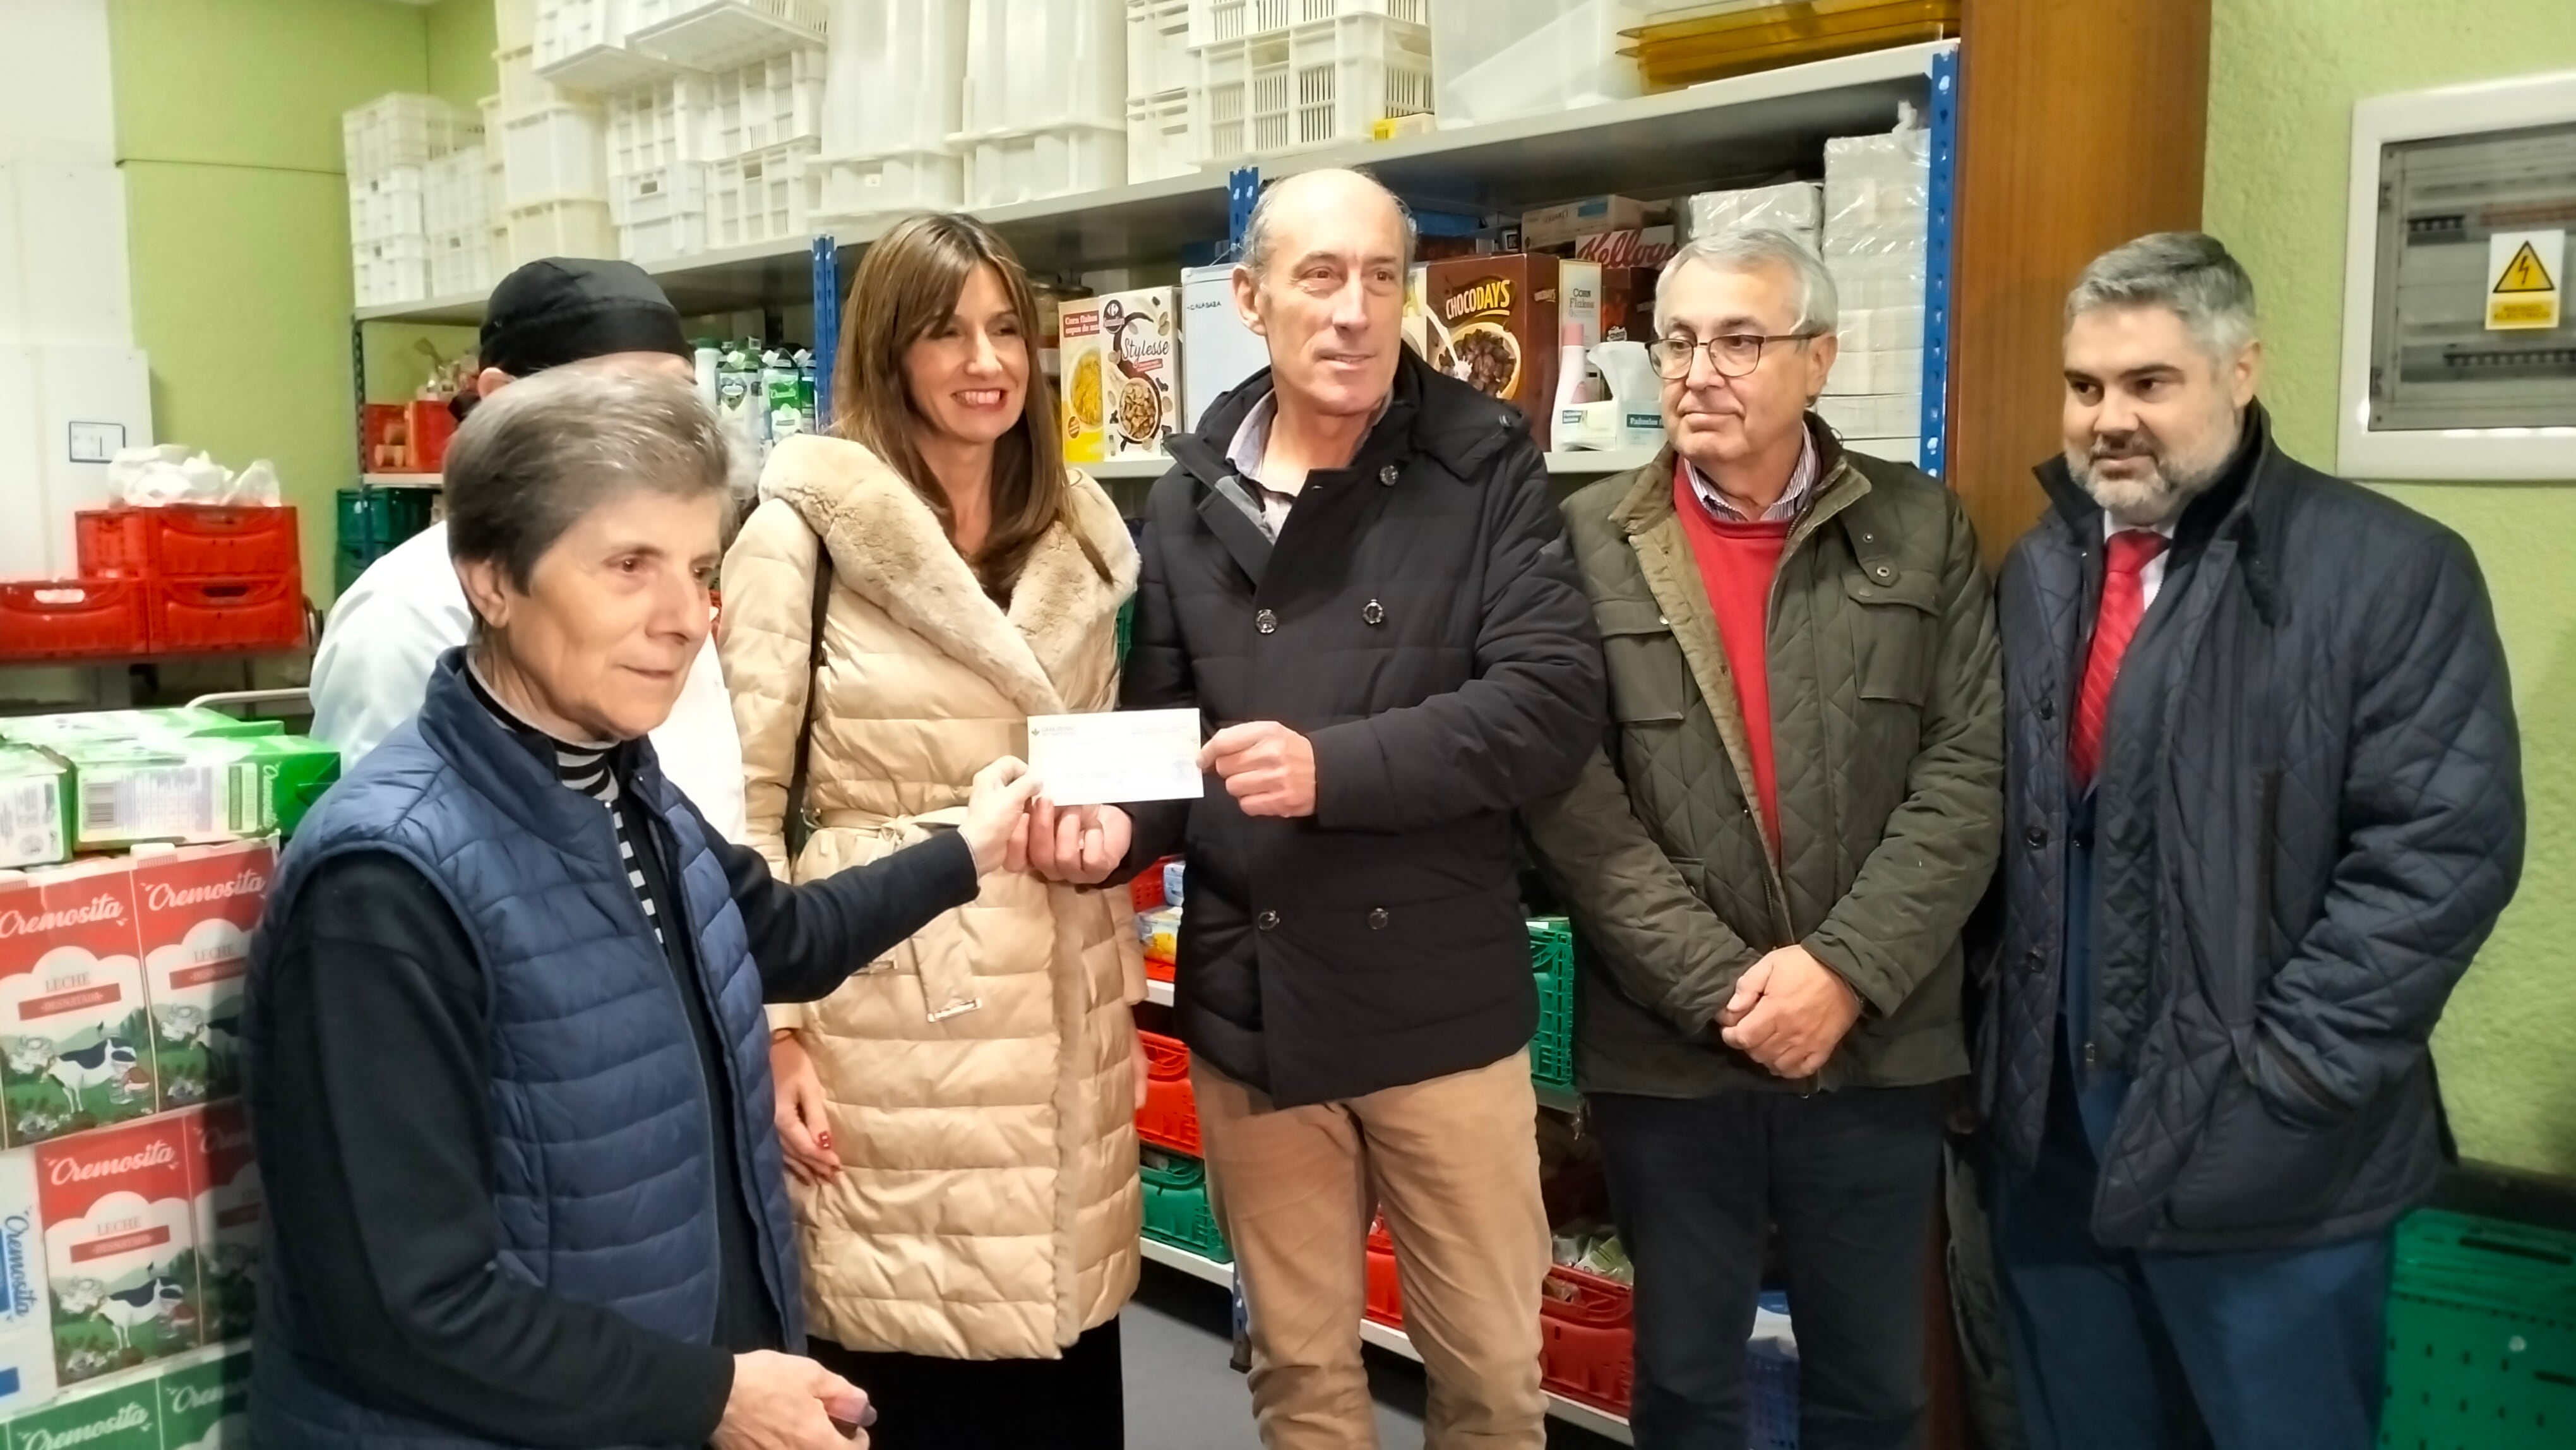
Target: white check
x=1117 y=755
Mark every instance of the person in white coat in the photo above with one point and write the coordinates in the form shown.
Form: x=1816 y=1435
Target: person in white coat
x=385 y=634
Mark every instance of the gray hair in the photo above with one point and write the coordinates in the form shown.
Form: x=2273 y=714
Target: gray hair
x=1753 y=249
x=540 y=453
x=1258 y=233
x=2189 y=272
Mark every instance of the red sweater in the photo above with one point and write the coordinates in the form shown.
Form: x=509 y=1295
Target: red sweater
x=1736 y=565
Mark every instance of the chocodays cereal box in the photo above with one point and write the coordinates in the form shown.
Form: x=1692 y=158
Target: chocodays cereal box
x=120 y=1247
x=197 y=906
x=75 y=1045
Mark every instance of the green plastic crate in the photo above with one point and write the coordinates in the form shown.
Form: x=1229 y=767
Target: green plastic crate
x=1126 y=627
x=2481 y=1337
x=1551 y=942
x=1176 y=1206
x=371 y=521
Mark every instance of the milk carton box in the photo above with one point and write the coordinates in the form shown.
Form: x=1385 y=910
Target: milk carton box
x=75 y=1039
x=26 y=1318
x=33 y=821
x=196 y=908
x=124 y=1417
x=120 y=1247
x=228 y=1212
x=205 y=1402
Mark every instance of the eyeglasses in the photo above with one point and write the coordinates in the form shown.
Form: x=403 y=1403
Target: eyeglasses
x=1733 y=354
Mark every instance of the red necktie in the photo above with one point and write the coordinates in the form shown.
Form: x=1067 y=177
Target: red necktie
x=2126 y=555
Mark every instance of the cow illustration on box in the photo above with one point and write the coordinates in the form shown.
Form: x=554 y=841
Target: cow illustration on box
x=121 y=1246
x=196 y=908
x=75 y=1036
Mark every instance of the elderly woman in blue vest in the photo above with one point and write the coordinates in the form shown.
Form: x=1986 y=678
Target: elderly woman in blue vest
x=509 y=1072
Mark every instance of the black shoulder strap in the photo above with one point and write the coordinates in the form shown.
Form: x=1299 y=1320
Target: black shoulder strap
x=800 y=821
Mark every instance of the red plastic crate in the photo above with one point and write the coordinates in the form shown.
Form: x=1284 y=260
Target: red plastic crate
x=1169 y=1116
x=60 y=619
x=191 y=616
x=203 y=540
x=1156 y=969
x=113 y=543
x=1588 y=1339
x=407 y=437
x=1385 y=1288
x=1147 y=888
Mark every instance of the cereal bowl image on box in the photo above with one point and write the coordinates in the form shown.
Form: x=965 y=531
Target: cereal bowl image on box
x=197 y=907
x=75 y=1039
x=120 y=1247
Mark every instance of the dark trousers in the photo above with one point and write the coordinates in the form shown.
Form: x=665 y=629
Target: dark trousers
x=927 y=1403
x=2114 y=1350
x=1848 y=1179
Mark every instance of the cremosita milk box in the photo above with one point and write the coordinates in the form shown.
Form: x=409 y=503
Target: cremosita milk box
x=196 y=908
x=75 y=1038
x=120 y=1246
x=205 y=1402
x=229 y=1212
x=123 y=1417
x=26 y=1316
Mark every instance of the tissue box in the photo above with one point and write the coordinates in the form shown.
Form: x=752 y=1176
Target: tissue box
x=194 y=789
x=32 y=808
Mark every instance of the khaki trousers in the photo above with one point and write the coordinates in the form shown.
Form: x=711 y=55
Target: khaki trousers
x=1454 y=1163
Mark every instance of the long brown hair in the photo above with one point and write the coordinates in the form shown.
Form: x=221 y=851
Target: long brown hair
x=907 y=287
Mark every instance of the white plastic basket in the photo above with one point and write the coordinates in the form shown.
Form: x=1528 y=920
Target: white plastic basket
x=390 y=204
x=669 y=121
x=402 y=130
x=1158 y=49
x=717 y=34
x=556 y=154
x=1502 y=58
x=1017 y=166
x=1216 y=21
x=1312 y=85
x=1037 y=64
x=767 y=196
x=582 y=44
x=560 y=229
x=523 y=90
x=394 y=269
x=460 y=263
x=767 y=103
x=453 y=198
x=514 y=24
x=896 y=77
x=661 y=213
x=901 y=181
x=1159 y=136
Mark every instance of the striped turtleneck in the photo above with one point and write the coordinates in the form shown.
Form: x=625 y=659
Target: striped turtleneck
x=586 y=768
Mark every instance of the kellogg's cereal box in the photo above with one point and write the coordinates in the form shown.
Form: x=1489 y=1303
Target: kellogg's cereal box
x=26 y=1318
x=75 y=1044
x=120 y=1247
x=229 y=1211
x=126 y=1417
x=197 y=906
x=205 y=1403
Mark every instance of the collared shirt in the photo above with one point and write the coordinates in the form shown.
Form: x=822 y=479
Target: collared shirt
x=1251 y=446
x=2151 y=579
x=1792 y=500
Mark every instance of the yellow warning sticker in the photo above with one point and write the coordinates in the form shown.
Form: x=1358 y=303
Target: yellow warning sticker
x=2524 y=273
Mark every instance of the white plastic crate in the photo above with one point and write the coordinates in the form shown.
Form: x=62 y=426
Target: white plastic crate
x=865 y=186
x=1017 y=166
x=896 y=77
x=453 y=196
x=390 y=204
x=661 y=213
x=1504 y=58
x=560 y=229
x=496 y=171
x=768 y=103
x=395 y=269
x=1310 y=85
x=1034 y=64
x=718 y=34
x=1158 y=49
x=582 y=44
x=669 y=121
x=523 y=90
x=1215 y=21
x=556 y=154
x=767 y=196
x=514 y=23
x=460 y=263
x=402 y=130
x=1159 y=136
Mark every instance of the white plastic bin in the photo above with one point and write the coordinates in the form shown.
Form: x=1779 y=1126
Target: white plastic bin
x=395 y=269
x=897 y=77
x=767 y=103
x=453 y=198
x=1311 y=85
x=661 y=213
x=460 y=263
x=523 y=90
x=1500 y=58
x=1036 y=64
x=1214 y=21
x=767 y=196
x=720 y=34
x=556 y=154
x=668 y=121
x=560 y=229
x=866 y=186
x=582 y=44
x=1017 y=166
x=391 y=204
x=1158 y=49
x=1159 y=136
x=514 y=24
x=402 y=130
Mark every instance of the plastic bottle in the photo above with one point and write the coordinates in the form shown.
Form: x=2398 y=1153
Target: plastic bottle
x=779 y=396
x=1566 y=430
x=738 y=399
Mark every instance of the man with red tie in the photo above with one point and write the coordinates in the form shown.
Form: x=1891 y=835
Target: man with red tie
x=2263 y=802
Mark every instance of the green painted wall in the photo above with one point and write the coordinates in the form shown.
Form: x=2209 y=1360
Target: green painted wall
x=461 y=40
x=2283 y=77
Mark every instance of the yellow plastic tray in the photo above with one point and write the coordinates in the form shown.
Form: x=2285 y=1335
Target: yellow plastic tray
x=1733 y=39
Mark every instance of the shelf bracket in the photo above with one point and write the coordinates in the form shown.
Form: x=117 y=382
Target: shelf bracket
x=1935 y=457
x=827 y=326
x=1242 y=193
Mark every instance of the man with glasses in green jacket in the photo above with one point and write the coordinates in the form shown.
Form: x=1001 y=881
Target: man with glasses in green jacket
x=1770 y=861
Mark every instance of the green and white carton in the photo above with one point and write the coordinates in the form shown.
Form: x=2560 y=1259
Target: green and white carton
x=191 y=789
x=205 y=1402
x=126 y=1416
x=33 y=814
x=166 y=723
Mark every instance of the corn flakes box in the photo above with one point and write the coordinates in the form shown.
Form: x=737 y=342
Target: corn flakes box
x=1086 y=379
x=75 y=1034
x=197 y=906
x=120 y=1247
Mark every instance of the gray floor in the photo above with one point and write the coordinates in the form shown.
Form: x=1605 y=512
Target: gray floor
x=1182 y=1395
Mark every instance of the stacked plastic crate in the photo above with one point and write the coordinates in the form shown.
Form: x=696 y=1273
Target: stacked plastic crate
x=1285 y=75
x=1045 y=108
x=390 y=145
x=1877 y=226
x=893 y=99
x=1161 y=101
x=554 y=128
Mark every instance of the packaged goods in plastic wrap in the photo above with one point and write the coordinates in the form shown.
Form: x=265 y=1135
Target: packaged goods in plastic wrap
x=75 y=1037
x=1175 y=875
x=1550 y=226
x=1160 y=931
x=120 y=1247
x=26 y=1315
x=197 y=906
x=194 y=789
x=172 y=722
x=1794 y=207
x=32 y=808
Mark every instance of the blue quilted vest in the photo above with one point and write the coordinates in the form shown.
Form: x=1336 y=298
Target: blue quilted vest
x=603 y=1186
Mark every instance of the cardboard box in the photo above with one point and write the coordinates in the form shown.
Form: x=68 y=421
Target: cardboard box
x=1629 y=246
x=1552 y=225
x=196 y=907
x=193 y=789
x=228 y=1211
x=126 y=1416
x=1122 y=351
x=120 y=1247
x=170 y=722
x=33 y=807
x=1083 y=396
x=75 y=1037
x=1217 y=351
x=205 y=1402
x=1493 y=324
x=26 y=1312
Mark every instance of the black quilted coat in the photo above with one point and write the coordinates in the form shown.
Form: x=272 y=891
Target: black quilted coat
x=1420 y=621
x=2309 y=815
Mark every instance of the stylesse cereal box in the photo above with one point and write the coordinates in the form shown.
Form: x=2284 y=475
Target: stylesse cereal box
x=197 y=906
x=75 y=1043
x=26 y=1316
x=120 y=1246
x=127 y=1417
x=205 y=1403
x=229 y=1210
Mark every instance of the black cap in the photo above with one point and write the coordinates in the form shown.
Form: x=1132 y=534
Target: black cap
x=564 y=309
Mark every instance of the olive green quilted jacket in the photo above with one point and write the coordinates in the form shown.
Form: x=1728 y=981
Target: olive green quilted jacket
x=1887 y=737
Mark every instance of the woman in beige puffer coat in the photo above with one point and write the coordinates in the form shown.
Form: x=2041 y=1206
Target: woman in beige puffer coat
x=959 y=1116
